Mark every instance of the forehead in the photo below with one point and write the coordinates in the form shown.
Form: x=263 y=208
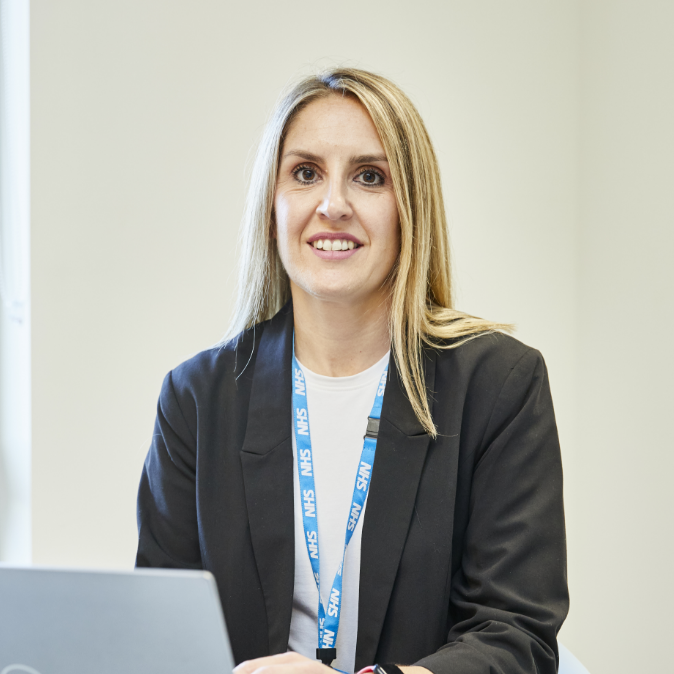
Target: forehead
x=334 y=123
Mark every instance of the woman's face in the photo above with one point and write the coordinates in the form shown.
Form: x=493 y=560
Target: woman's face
x=335 y=210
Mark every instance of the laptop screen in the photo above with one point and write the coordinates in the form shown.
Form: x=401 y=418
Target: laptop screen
x=136 y=622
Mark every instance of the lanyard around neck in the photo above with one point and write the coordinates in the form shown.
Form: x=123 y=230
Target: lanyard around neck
x=328 y=619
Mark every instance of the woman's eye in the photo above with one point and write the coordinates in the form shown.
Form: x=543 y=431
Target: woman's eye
x=371 y=178
x=305 y=175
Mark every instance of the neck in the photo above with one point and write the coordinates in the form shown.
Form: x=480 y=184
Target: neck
x=339 y=340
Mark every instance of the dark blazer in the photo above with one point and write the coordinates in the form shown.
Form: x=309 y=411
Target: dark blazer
x=463 y=559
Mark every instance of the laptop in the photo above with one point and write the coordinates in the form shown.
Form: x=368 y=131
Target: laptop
x=150 y=621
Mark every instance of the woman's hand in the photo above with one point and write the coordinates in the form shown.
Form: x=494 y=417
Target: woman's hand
x=294 y=663
x=285 y=663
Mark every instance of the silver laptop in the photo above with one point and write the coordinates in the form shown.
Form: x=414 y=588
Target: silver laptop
x=93 y=622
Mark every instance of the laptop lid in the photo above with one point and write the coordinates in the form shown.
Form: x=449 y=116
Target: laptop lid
x=137 y=622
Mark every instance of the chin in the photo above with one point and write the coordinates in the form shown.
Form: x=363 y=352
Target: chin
x=322 y=289
x=346 y=295
x=333 y=294
x=337 y=288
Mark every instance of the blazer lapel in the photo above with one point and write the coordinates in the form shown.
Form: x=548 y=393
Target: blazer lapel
x=401 y=452
x=267 y=463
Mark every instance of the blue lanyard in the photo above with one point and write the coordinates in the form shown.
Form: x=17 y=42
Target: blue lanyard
x=328 y=620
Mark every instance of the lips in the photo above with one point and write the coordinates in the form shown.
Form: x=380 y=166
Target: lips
x=334 y=236
x=333 y=245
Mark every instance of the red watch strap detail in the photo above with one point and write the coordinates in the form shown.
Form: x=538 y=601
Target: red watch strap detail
x=366 y=670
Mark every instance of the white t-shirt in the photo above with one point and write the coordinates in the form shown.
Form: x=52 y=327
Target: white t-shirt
x=338 y=411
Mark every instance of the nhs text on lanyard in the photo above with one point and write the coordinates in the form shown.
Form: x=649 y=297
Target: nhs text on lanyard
x=328 y=619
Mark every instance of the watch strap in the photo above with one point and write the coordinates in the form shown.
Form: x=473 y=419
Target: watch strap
x=388 y=668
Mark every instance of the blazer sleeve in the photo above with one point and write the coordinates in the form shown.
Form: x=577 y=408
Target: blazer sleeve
x=167 y=513
x=509 y=596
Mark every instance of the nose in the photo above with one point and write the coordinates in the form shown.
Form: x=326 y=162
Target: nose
x=335 y=203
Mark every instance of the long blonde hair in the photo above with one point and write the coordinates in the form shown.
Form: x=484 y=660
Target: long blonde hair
x=422 y=310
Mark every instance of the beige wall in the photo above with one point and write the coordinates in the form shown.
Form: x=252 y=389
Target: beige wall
x=623 y=549
x=143 y=116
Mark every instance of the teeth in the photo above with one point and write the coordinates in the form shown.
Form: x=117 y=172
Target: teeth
x=334 y=244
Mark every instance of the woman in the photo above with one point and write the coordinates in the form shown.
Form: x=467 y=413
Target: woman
x=350 y=404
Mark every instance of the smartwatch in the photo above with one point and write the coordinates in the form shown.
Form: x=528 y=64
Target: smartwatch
x=387 y=669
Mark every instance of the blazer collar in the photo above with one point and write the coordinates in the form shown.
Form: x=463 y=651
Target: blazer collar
x=266 y=458
x=269 y=412
x=267 y=464
x=401 y=452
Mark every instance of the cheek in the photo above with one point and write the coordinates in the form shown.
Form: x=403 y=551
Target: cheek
x=390 y=224
x=280 y=214
x=283 y=222
x=291 y=213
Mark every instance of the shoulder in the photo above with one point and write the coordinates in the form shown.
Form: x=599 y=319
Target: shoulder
x=491 y=379
x=489 y=371
x=490 y=355
x=222 y=370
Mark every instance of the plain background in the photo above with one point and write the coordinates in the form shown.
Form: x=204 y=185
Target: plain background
x=552 y=120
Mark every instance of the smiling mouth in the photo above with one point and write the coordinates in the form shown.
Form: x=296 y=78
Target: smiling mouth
x=334 y=244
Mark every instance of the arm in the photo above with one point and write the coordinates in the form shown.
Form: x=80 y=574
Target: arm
x=509 y=594
x=167 y=515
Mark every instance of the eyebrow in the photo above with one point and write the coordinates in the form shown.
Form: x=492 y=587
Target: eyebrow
x=368 y=158
x=358 y=159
